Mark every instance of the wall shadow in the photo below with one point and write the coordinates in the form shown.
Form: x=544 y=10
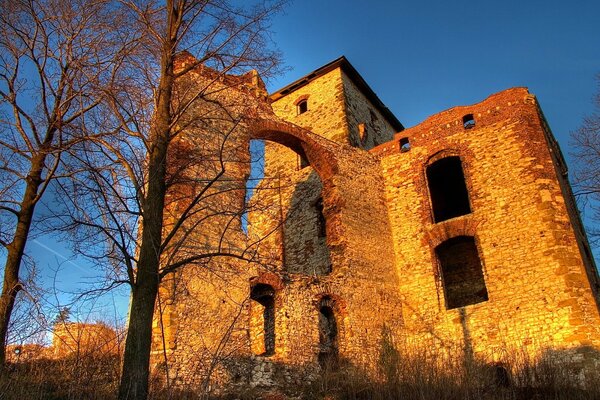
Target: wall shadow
x=304 y=228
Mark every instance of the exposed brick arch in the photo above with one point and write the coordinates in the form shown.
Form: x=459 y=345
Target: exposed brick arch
x=301 y=98
x=443 y=154
x=267 y=278
x=333 y=300
x=317 y=150
x=439 y=233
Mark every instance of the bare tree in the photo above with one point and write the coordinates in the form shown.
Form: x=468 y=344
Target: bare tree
x=29 y=322
x=174 y=163
x=54 y=54
x=586 y=179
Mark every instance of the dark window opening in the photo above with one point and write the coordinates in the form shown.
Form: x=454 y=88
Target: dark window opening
x=404 y=145
x=448 y=189
x=302 y=107
x=462 y=273
x=321 y=225
x=328 y=347
x=265 y=296
x=501 y=376
x=468 y=121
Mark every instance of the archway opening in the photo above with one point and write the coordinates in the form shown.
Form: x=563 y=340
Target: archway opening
x=328 y=336
x=262 y=319
x=462 y=272
x=290 y=200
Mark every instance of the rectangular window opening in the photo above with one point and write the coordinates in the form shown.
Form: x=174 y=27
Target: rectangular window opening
x=448 y=189
x=462 y=273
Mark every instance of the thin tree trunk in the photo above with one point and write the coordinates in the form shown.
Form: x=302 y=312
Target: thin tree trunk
x=136 y=360
x=16 y=248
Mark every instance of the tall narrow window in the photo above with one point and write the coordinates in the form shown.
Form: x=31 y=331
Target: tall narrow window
x=448 y=190
x=263 y=318
x=328 y=348
x=321 y=231
x=462 y=274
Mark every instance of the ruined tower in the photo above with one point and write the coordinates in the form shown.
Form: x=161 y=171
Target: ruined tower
x=459 y=234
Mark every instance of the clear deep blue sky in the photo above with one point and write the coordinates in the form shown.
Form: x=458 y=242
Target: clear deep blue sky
x=424 y=57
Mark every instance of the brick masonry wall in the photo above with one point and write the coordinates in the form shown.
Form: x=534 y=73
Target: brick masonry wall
x=201 y=319
x=376 y=266
x=359 y=110
x=363 y=282
x=358 y=234
x=539 y=295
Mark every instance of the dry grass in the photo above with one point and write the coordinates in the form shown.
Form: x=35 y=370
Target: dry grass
x=73 y=377
x=428 y=375
x=418 y=374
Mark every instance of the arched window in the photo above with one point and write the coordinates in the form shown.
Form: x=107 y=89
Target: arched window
x=461 y=271
x=263 y=318
x=404 y=145
x=328 y=331
x=302 y=106
x=468 y=121
x=448 y=189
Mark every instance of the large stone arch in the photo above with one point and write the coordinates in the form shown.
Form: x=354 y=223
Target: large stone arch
x=319 y=151
x=322 y=155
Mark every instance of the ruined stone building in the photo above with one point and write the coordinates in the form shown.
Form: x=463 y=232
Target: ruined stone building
x=459 y=234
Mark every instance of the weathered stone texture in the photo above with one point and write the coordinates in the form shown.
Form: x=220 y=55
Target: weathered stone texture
x=367 y=127
x=539 y=294
x=344 y=250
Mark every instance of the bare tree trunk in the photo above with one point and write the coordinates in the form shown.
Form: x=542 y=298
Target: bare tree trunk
x=136 y=360
x=16 y=248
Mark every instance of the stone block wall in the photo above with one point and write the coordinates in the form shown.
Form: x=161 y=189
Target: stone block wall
x=351 y=263
x=344 y=249
x=200 y=330
x=367 y=127
x=539 y=295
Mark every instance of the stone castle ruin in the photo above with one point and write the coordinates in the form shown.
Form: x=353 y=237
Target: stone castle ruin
x=459 y=234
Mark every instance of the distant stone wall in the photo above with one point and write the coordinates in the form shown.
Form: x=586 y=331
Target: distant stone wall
x=80 y=338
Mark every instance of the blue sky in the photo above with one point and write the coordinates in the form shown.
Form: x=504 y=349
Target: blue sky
x=421 y=58
x=424 y=57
